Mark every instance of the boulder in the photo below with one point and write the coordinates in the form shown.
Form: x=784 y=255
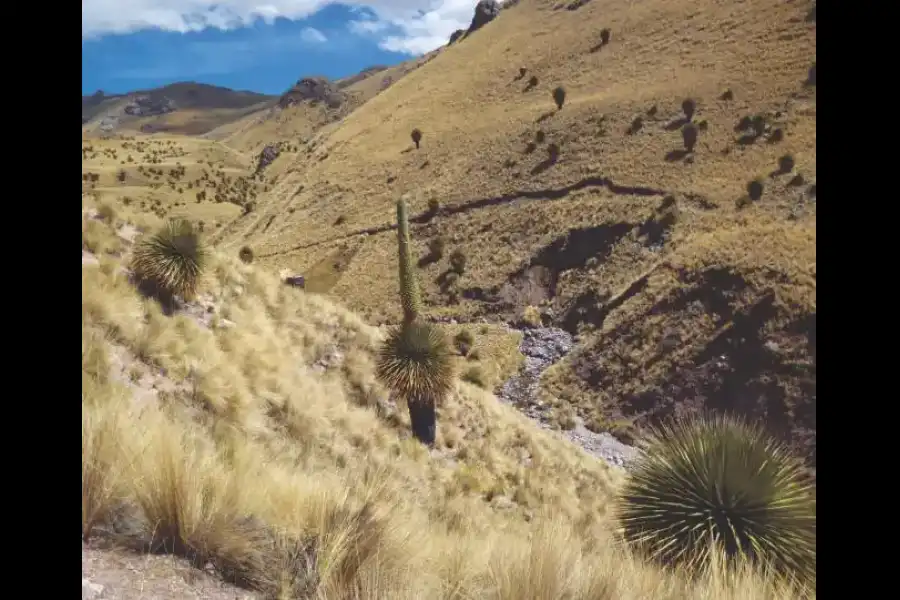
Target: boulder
x=485 y=12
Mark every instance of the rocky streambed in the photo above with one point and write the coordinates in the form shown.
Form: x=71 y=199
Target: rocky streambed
x=543 y=347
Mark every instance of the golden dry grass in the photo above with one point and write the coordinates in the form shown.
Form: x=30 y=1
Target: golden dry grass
x=242 y=424
x=507 y=211
x=272 y=390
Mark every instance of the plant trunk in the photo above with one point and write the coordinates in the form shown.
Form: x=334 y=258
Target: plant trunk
x=422 y=419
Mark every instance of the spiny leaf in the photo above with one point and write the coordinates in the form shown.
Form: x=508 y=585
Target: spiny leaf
x=173 y=258
x=416 y=362
x=720 y=481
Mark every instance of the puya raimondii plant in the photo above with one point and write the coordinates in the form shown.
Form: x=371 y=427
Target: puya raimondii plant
x=415 y=361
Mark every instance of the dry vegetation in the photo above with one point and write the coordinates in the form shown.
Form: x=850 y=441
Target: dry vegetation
x=230 y=433
x=690 y=288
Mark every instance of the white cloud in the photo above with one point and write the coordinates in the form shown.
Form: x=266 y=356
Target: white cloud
x=411 y=26
x=313 y=35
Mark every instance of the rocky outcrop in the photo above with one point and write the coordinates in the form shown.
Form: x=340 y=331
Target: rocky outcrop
x=148 y=106
x=313 y=90
x=267 y=156
x=456 y=35
x=485 y=12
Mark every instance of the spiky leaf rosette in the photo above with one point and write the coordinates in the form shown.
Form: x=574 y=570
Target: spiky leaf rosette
x=415 y=362
x=409 y=287
x=173 y=258
x=721 y=482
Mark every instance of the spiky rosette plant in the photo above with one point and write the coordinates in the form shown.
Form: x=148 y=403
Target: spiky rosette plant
x=719 y=482
x=415 y=360
x=416 y=363
x=172 y=259
x=409 y=287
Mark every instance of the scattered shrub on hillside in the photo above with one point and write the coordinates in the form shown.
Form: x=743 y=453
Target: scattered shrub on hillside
x=559 y=96
x=522 y=72
x=688 y=106
x=786 y=164
x=724 y=482
x=755 y=189
x=434 y=206
x=636 y=124
x=776 y=136
x=604 y=36
x=106 y=212
x=533 y=81
x=246 y=254
x=475 y=375
x=797 y=180
x=540 y=136
x=172 y=259
x=553 y=151
x=689 y=136
x=758 y=124
x=458 y=261
x=464 y=341
x=727 y=95
x=436 y=247
x=530 y=147
x=416 y=135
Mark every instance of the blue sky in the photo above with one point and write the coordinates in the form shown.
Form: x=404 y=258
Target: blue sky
x=263 y=46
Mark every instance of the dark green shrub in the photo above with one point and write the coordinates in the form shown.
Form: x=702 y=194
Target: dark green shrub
x=464 y=341
x=458 y=261
x=559 y=96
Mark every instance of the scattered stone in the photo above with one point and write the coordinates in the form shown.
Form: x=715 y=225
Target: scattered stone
x=267 y=156
x=295 y=281
x=543 y=347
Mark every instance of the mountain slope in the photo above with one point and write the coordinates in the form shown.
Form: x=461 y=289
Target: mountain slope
x=186 y=107
x=620 y=226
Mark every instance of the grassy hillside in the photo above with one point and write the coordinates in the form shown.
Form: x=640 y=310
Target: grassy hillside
x=253 y=412
x=608 y=228
x=686 y=272
x=299 y=123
